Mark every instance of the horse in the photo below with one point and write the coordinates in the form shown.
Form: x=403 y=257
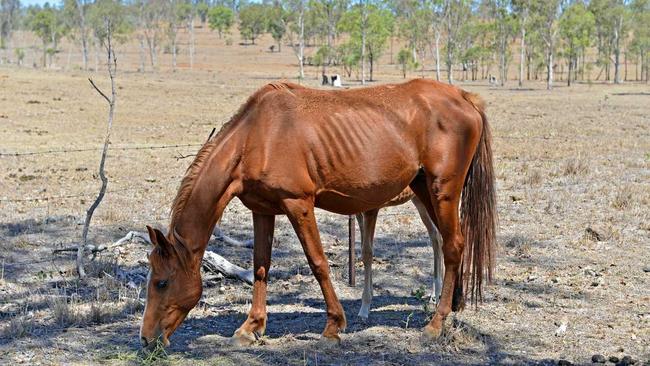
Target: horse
x=290 y=149
x=367 y=221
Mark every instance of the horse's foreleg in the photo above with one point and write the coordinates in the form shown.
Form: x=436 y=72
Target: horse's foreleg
x=436 y=244
x=301 y=214
x=367 y=236
x=255 y=324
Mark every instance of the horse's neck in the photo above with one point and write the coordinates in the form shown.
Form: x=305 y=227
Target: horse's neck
x=211 y=192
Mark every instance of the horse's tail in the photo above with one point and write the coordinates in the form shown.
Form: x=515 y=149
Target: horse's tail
x=478 y=214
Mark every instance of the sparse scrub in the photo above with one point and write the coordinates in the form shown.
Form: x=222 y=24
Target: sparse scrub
x=575 y=167
x=622 y=200
x=533 y=177
x=63 y=311
x=19 y=326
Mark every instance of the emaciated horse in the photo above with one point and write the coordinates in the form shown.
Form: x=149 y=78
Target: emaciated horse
x=290 y=149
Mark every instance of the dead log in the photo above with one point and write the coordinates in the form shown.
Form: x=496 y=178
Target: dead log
x=212 y=262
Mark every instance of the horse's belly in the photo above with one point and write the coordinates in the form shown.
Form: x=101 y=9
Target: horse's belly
x=347 y=198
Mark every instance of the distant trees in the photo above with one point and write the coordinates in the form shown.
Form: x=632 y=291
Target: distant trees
x=464 y=39
x=9 y=19
x=577 y=26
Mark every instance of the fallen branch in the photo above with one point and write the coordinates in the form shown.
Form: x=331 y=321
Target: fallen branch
x=212 y=262
x=219 y=235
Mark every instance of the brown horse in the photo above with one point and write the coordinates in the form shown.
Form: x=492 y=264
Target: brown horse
x=290 y=149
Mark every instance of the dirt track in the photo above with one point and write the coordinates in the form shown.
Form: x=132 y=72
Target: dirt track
x=573 y=167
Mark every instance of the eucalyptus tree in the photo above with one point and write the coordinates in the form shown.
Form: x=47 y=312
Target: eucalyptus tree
x=545 y=16
x=220 y=18
x=75 y=16
x=47 y=23
x=9 y=20
x=521 y=9
x=640 y=44
x=455 y=14
x=276 y=25
x=296 y=31
x=505 y=28
x=577 y=26
x=253 y=21
x=611 y=18
x=378 y=27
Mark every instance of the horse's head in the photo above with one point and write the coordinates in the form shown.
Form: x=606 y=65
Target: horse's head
x=173 y=288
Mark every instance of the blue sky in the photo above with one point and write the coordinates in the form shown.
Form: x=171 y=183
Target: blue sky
x=37 y=2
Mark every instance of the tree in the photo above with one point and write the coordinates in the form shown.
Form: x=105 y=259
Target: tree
x=546 y=14
x=378 y=25
x=75 y=14
x=297 y=30
x=220 y=18
x=277 y=24
x=252 y=21
x=577 y=25
x=405 y=59
x=327 y=14
x=504 y=24
x=640 y=45
x=9 y=13
x=202 y=9
x=521 y=9
x=48 y=25
x=455 y=14
x=151 y=22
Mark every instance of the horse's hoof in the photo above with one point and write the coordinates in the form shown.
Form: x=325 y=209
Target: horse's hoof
x=242 y=338
x=430 y=333
x=329 y=341
x=363 y=315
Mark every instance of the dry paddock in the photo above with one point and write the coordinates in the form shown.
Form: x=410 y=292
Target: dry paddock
x=573 y=173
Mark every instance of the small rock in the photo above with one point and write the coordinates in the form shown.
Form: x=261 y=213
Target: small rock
x=627 y=360
x=594 y=235
x=564 y=363
x=598 y=359
x=646 y=269
x=613 y=359
x=222 y=290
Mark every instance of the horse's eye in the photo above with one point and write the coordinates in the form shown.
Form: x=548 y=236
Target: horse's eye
x=161 y=284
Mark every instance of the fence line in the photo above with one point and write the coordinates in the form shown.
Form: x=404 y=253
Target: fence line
x=63 y=151
x=52 y=198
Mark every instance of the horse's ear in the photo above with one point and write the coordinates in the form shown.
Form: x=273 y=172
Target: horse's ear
x=157 y=238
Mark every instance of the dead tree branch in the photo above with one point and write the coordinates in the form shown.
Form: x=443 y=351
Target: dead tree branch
x=112 y=66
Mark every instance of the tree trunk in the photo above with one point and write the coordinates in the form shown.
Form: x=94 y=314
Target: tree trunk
x=191 y=25
x=437 y=55
x=44 y=54
x=549 y=76
x=522 y=54
x=301 y=54
x=363 y=42
x=617 y=52
x=143 y=57
x=568 y=79
x=174 y=52
x=84 y=33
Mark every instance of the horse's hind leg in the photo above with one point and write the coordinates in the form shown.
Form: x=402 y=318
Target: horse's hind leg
x=436 y=244
x=367 y=236
x=443 y=186
x=255 y=324
x=301 y=214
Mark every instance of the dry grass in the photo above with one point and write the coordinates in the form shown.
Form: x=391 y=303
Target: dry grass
x=558 y=157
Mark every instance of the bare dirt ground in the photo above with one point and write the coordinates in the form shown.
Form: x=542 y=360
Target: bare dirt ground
x=573 y=168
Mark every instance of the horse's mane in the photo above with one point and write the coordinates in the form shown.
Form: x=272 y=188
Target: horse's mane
x=194 y=170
